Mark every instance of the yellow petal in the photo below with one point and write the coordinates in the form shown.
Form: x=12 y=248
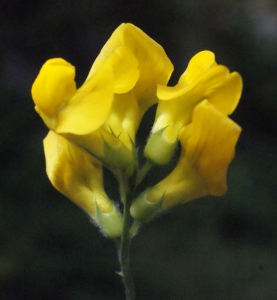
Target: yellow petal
x=205 y=84
x=154 y=65
x=79 y=177
x=53 y=85
x=209 y=82
x=227 y=96
x=170 y=92
x=125 y=67
x=75 y=174
x=197 y=66
x=199 y=63
x=176 y=111
x=209 y=142
x=89 y=108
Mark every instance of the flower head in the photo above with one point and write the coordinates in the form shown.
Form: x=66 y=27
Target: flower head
x=120 y=87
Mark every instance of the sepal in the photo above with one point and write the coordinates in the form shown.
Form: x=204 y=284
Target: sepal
x=117 y=156
x=144 y=210
x=106 y=147
x=158 y=150
x=109 y=223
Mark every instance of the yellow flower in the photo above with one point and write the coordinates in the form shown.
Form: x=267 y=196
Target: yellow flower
x=107 y=108
x=78 y=113
x=79 y=177
x=203 y=79
x=208 y=147
x=154 y=68
x=153 y=64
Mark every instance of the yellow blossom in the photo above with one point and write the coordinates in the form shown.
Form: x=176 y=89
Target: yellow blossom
x=120 y=87
x=79 y=177
x=208 y=146
x=78 y=113
x=203 y=79
x=154 y=68
x=153 y=64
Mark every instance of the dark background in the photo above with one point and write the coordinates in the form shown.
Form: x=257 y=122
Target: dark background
x=213 y=248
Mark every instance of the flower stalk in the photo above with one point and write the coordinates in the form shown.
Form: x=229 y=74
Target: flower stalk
x=128 y=186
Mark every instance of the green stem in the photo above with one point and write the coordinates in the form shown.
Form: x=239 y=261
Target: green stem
x=127 y=193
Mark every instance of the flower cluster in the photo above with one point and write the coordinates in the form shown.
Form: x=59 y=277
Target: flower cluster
x=95 y=125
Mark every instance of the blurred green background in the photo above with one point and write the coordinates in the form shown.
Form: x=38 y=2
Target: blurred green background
x=212 y=248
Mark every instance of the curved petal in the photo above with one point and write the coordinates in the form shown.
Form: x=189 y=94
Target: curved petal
x=54 y=85
x=154 y=65
x=89 y=108
x=205 y=84
x=226 y=97
x=170 y=92
x=209 y=142
x=79 y=177
x=125 y=67
x=210 y=81
x=75 y=173
x=199 y=63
